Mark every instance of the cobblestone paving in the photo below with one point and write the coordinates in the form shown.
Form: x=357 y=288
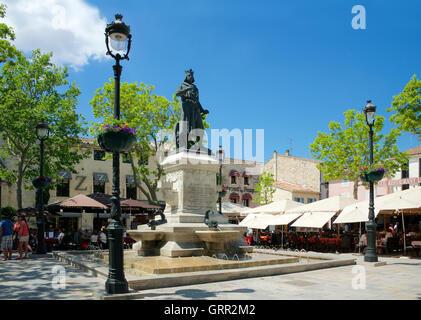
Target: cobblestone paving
x=33 y=279
x=399 y=279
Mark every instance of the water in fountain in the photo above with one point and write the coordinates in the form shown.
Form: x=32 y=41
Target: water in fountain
x=235 y=257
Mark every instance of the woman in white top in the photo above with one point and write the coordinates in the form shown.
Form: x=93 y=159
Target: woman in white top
x=94 y=238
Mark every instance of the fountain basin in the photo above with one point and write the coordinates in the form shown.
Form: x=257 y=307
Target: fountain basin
x=217 y=236
x=146 y=235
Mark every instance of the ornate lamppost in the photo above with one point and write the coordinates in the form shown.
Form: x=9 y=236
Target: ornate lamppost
x=220 y=158
x=42 y=132
x=117 y=34
x=371 y=253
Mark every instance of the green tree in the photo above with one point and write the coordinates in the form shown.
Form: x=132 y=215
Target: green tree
x=32 y=89
x=7 y=49
x=407 y=108
x=149 y=114
x=345 y=150
x=264 y=189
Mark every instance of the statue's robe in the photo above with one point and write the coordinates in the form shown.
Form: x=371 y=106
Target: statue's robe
x=191 y=108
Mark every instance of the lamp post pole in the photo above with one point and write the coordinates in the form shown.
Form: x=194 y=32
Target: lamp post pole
x=371 y=253
x=41 y=249
x=116 y=282
x=220 y=155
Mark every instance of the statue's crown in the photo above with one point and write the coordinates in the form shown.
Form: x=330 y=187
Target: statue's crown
x=189 y=71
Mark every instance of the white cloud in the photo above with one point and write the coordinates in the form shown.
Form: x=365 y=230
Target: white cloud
x=72 y=29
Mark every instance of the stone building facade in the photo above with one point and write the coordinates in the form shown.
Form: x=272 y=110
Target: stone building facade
x=296 y=178
x=239 y=177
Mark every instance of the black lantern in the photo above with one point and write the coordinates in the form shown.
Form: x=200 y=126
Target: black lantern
x=42 y=131
x=370 y=113
x=117 y=34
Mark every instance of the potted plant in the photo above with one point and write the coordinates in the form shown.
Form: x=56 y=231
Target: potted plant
x=372 y=174
x=41 y=183
x=116 y=137
x=223 y=192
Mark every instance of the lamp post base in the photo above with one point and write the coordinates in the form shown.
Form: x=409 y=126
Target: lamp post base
x=371 y=253
x=116 y=282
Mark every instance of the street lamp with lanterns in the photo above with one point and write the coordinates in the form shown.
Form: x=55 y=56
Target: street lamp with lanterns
x=43 y=132
x=220 y=159
x=118 y=42
x=371 y=253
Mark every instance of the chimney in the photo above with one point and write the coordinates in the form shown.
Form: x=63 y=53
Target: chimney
x=287 y=153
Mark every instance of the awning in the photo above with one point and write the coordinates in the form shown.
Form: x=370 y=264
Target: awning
x=283 y=219
x=100 y=177
x=234 y=195
x=246 y=175
x=313 y=219
x=65 y=174
x=247 y=196
x=234 y=173
x=256 y=221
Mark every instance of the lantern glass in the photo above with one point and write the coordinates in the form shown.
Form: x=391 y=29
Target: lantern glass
x=118 y=41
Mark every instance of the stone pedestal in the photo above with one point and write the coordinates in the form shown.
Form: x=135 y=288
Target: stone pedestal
x=189 y=189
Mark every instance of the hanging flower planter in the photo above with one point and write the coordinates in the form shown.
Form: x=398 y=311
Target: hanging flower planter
x=372 y=175
x=41 y=183
x=223 y=193
x=117 y=138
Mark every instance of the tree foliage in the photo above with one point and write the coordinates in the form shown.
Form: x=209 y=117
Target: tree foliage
x=32 y=89
x=149 y=114
x=345 y=150
x=407 y=108
x=7 y=49
x=264 y=189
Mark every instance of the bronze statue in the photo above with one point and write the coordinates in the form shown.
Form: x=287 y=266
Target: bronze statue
x=189 y=131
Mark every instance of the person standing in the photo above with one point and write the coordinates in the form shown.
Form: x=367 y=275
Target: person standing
x=22 y=231
x=6 y=231
x=102 y=239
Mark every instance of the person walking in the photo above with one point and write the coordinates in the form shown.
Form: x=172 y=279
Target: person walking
x=22 y=231
x=6 y=232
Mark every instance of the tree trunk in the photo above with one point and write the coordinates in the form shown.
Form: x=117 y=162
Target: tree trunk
x=356 y=189
x=19 y=187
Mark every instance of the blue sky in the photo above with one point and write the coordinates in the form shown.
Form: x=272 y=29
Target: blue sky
x=288 y=67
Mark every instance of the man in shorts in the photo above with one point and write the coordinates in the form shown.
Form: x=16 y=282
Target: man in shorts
x=6 y=230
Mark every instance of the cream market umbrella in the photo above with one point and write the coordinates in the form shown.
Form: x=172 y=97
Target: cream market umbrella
x=388 y=204
x=314 y=219
x=276 y=207
x=332 y=204
x=256 y=221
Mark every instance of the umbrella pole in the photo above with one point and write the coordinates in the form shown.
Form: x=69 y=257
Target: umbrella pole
x=282 y=241
x=404 y=240
x=359 y=247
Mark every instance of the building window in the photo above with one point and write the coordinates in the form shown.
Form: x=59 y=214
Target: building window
x=99 y=187
x=297 y=199
x=126 y=158
x=131 y=191
x=246 y=202
x=63 y=188
x=246 y=181
x=233 y=180
x=99 y=155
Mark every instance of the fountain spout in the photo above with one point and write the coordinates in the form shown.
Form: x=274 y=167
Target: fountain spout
x=152 y=224
x=210 y=223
